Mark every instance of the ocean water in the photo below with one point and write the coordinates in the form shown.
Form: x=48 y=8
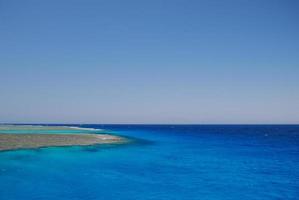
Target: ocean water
x=208 y=162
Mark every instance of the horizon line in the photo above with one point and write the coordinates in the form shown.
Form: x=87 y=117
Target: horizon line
x=198 y=124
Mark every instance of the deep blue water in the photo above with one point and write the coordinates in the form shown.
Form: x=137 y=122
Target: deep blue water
x=166 y=162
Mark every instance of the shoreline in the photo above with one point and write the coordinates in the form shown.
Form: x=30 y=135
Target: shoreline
x=31 y=141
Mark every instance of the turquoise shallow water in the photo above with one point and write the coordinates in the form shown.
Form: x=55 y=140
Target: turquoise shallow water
x=45 y=130
x=165 y=162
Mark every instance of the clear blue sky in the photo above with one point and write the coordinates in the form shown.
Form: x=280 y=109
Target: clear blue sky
x=157 y=61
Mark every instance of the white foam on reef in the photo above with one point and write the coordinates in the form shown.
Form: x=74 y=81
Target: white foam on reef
x=87 y=129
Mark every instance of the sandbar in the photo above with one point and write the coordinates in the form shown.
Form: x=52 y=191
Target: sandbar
x=28 y=141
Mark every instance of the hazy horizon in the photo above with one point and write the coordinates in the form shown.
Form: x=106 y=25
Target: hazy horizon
x=149 y=62
x=162 y=124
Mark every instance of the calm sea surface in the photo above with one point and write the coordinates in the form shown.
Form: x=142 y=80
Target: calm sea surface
x=211 y=162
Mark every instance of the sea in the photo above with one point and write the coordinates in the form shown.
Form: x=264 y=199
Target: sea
x=162 y=162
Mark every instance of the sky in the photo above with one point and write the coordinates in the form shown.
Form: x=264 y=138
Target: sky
x=158 y=61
